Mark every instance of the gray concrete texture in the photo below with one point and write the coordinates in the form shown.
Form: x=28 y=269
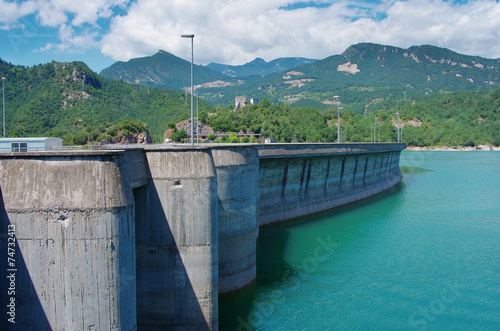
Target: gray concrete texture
x=146 y=237
x=74 y=230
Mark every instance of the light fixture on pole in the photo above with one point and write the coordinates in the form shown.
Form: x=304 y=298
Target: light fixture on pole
x=398 y=125
x=197 y=123
x=338 y=118
x=191 y=36
x=3 y=104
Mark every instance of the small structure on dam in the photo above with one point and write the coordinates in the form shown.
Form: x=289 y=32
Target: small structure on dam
x=146 y=237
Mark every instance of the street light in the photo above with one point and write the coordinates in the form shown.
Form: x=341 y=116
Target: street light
x=338 y=118
x=191 y=36
x=371 y=133
x=398 y=124
x=3 y=104
x=197 y=123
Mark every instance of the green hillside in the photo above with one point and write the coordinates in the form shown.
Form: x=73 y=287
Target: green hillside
x=458 y=119
x=50 y=100
x=162 y=70
x=364 y=76
x=367 y=72
x=444 y=99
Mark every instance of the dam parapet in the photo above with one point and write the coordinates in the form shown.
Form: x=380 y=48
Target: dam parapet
x=146 y=237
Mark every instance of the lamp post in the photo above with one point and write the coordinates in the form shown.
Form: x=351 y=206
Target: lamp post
x=3 y=104
x=191 y=36
x=338 y=118
x=375 y=131
x=397 y=114
x=371 y=133
x=197 y=123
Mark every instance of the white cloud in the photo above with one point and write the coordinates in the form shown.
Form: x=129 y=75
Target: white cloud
x=237 y=31
x=12 y=11
x=72 y=42
x=53 y=13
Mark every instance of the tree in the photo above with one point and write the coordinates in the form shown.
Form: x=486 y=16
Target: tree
x=182 y=134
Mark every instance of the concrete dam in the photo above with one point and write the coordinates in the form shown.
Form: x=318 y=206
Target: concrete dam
x=145 y=238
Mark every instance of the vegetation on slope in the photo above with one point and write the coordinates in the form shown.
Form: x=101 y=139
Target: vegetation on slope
x=460 y=119
x=70 y=101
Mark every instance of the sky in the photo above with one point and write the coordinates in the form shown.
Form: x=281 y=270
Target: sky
x=101 y=32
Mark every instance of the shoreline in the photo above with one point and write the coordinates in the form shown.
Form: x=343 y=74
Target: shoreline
x=454 y=148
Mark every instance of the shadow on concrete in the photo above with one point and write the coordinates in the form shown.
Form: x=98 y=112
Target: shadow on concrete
x=27 y=312
x=165 y=296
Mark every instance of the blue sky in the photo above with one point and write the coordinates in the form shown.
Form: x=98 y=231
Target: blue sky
x=100 y=32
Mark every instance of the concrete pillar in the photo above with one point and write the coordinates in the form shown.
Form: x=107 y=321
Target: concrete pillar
x=75 y=259
x=237 y=189
x=177 y=242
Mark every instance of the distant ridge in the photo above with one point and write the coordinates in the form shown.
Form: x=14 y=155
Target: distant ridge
x=260 y=66
x=363 y=75
x=162 y=69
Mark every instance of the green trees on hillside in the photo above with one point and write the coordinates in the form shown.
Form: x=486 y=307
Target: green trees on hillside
x=460 y=119
x=70 y=101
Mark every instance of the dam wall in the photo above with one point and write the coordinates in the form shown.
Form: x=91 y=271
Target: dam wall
x=297 y=180
x=145 y=238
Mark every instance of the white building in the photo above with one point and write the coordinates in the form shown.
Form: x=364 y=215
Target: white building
x=29 y=144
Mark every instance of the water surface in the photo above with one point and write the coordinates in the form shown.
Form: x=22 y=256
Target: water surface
x=424 y=255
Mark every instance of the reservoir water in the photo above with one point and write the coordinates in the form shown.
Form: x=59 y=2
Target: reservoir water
x=424 y=255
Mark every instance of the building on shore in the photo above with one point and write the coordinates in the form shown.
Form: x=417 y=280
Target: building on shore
x=34 y=144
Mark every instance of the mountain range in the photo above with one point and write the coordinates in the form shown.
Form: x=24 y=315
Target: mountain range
x=363 y=75
x=260 y=66
x=68 y=100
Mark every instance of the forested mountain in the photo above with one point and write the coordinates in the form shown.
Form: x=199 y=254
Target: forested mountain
x=366 y=74
x=69 y=100
x=260 y=66
x=363 y=76
x=162 y=70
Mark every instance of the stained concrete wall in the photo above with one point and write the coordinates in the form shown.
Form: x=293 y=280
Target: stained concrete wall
x=300 y=179
x=177 y=242
x=237 y=171
x=73 y=218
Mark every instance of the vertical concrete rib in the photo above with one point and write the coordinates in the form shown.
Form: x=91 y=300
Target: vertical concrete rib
x=237 y=188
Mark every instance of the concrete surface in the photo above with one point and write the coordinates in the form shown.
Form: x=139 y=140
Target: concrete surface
x=146 y=237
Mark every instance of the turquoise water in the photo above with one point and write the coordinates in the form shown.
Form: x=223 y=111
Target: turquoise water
x=424 y=255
